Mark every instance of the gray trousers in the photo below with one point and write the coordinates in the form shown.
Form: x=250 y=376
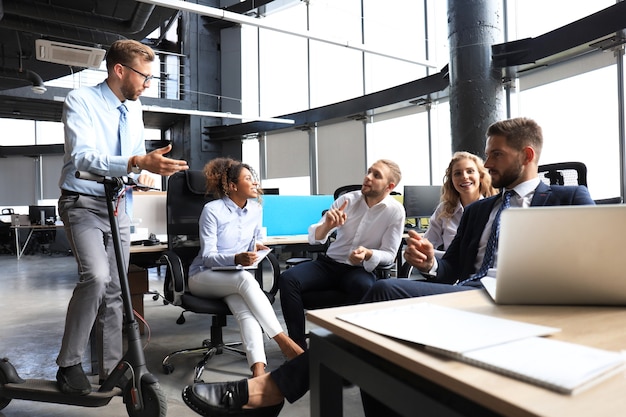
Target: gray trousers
x=97 y=296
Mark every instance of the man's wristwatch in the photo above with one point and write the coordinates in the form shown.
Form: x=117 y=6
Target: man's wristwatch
x=134 y=168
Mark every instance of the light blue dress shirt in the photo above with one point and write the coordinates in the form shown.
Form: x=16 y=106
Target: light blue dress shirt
x=226 y=230
x=91 y=119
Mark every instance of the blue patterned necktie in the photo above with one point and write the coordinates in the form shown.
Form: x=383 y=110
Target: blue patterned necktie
x=125 y=149
x=492 y=243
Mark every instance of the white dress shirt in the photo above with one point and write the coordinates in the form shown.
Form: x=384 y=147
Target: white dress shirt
x=522 y=196
x=378 y=228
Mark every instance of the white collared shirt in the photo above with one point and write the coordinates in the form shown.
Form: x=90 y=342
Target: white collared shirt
x=378 y=228
x=522 y=196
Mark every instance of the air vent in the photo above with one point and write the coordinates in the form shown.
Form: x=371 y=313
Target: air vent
x=68 y=54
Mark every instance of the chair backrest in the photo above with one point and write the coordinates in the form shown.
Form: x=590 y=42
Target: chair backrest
x=346 y=189
x=186 y=197
x=564 y=173
x=610 y=200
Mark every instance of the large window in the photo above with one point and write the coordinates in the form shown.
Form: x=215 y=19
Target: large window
x=579 y=117
x=576 y=101
x=296 y=74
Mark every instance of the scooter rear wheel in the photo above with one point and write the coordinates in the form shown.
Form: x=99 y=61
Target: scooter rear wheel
x=3 y=400
x=154 y=401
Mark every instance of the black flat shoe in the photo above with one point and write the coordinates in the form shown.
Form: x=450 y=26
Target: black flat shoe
x=72 y=380
x=225 y=399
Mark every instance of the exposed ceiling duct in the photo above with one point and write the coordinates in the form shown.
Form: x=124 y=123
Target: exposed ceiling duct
x=56 y=30
x=71 y=24
x=90 y=25
x=71 y=17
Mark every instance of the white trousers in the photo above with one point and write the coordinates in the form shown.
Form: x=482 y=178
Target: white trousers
x=249 y=305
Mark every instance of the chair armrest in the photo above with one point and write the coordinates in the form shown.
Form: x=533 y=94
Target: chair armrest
x=383 y=271
x=273 y=260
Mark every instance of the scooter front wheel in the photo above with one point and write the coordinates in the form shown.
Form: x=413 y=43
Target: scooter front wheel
x=154 y=401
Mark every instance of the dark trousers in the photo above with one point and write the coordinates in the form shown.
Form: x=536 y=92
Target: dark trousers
x=320 y=274
x=396 y=289
x=292 y=379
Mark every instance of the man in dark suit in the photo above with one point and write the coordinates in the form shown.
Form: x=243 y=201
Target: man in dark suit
x=513 y=149
x=512 y=157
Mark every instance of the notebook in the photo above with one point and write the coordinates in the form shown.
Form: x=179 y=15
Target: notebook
x=261 y=254
x=505 y=346
x=442 y=328
x=561 y=255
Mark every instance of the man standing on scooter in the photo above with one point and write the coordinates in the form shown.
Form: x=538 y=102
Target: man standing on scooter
x=104 y=136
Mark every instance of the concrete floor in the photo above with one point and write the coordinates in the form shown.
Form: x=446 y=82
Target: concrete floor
x=35 y=292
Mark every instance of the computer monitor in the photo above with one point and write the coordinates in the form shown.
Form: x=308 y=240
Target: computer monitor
x=38 y=213
x=420 y=202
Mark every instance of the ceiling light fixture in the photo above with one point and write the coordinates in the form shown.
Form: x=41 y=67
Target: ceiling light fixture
x=35 y=79
x=22 y=74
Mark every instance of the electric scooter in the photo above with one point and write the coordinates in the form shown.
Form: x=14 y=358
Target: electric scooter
x=142 y=393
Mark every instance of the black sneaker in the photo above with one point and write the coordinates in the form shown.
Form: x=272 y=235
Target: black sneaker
x=72 y=380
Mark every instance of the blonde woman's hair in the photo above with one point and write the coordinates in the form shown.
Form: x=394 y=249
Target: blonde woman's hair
x=450 y=196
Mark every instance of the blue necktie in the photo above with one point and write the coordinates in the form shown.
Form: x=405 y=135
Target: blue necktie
x=492 y=243
x=126 y=150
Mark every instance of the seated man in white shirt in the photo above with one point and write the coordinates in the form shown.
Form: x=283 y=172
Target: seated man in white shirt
x=369 y=225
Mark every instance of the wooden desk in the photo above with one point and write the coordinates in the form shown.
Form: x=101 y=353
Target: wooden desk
x=141 y=249
x=399 y=373
x=304 y=240
x=141 y=257
x=19 y=249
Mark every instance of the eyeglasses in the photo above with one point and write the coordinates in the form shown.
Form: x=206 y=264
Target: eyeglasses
x=147 y=79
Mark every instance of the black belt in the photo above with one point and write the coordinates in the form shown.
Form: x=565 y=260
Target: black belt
x=74 y=193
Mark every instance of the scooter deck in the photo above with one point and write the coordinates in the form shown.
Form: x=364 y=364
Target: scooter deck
x=48 y=391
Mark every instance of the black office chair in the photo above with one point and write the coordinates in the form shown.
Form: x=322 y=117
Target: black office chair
x=564 y=173
x=185 y=200
x=7 y=243
x=610 y=200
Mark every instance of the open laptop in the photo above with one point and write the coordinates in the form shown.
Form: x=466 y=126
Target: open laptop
x=572 y=255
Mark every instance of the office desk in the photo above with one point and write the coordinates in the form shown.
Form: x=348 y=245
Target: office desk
x=141 y=258
x=414 y=380
x=304 y=240
x=19 y=249
x=142 y=249
x=286 y=240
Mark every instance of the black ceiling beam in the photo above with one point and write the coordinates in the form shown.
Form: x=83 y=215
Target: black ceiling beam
x=31 y=150
x=588 y=29
x=360 y=105
x=246 y=6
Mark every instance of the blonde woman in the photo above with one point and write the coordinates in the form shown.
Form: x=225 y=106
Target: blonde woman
x=465 y=181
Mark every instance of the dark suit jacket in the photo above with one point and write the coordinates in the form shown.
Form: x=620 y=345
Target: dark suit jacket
x=458 y=261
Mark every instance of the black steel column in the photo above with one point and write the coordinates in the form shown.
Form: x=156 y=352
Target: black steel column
x=476 y=94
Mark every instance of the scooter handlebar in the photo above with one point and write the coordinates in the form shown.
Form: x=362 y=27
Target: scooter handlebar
x=86 y=175
x=125 y=180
